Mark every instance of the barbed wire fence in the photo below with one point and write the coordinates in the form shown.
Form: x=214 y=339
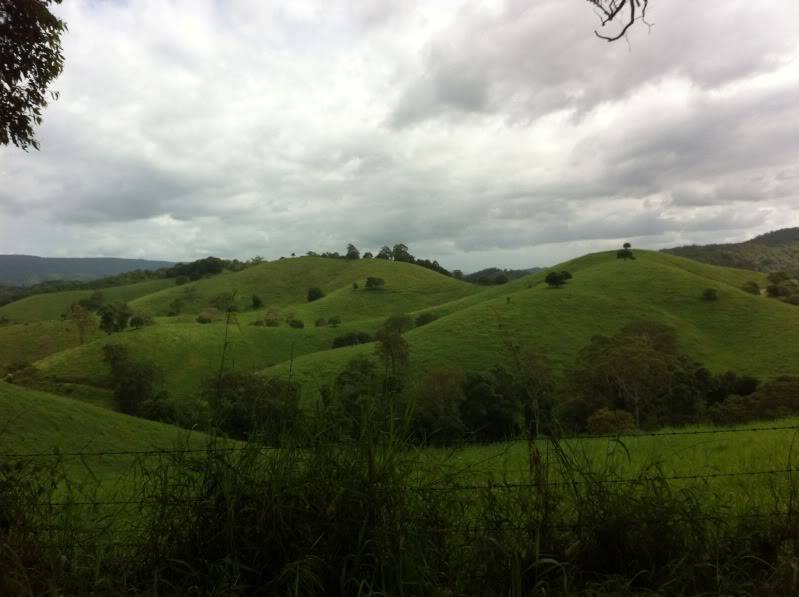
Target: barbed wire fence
x=117 y=537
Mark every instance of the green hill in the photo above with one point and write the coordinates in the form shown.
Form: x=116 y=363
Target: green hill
x=750 y=334
x=286 y=282
x=773 y=251
x=190 y=352
x=36 y=422
x=52 y=305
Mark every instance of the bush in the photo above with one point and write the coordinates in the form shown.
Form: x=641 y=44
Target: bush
x=424 y=319
x=557 y=279
x=436 y=417
x=296 y=323
x=373 y=283
x=139 y=321
x=322 y=322
x=334 y=321
x=257 y=302
x=315 y=294
x=606 y=421
x=135 y=382
x=351 y=339
x=245 y=404
x=751 y=288
x=272 y=322
x=205 y=317
x=710 y=294
x=793 y=299
x=114 y=317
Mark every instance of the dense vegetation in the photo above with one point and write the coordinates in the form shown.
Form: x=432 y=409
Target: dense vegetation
x=774 y=251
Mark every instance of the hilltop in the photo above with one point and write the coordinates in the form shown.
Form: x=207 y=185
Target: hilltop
x=773 y=251
x=24 y=270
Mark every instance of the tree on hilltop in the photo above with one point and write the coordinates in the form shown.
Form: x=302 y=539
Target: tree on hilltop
x=557 y=279
x=352 y=252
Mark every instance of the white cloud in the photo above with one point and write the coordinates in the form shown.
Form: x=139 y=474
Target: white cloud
x=473 y=132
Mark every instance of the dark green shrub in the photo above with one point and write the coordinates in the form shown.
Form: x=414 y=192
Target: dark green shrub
x=296 y=323
x=139 y=321
x=373 y=283
x=134 y=381
x=436 y=408
x=247 y=404
x=606 y=421
x=352 y=339
x=205 y=317
x=256 y=302
x=751 y=287
x=710 y=294
x=424 y=319
x=224 y=301
x=334 y=320
x=114 y=317
x=315 y=294
x=321 y=322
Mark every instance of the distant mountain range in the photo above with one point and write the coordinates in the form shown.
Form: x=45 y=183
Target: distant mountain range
x=773 y=251
x=25 y=270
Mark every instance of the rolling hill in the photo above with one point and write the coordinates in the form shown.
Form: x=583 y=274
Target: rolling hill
x=773 y=251
x=747 y=333
x=23 y=270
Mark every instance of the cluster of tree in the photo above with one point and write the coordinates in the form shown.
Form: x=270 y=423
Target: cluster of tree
x=351 y=339
x=494 y=275
x=783 y=286
x=250 y=406
x=557 y=279
x=333 y=320
x=771 y=252
x=398 y=252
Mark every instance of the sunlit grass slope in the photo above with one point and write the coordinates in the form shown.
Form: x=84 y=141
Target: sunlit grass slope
x=52 y=305
x=286 y=282
x=36 y=422
x=750 y=334
x=35 y=340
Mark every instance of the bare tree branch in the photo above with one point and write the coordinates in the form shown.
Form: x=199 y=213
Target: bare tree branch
x=624 y=11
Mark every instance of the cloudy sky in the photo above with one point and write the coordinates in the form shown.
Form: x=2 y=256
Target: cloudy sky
x=477 y=132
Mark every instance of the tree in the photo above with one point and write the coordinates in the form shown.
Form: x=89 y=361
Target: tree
x=83 y=319
x=224 y=301
x=114 y=317
x=555 y=279
x=627 y=246
x=710 y=294
x=93 y=302
x=373 y=283
x=30 y=59
x=391 y=347
x=400 y=253
x=367 y=255
x=385 y=253
x=314 y=294
x=751 y=287
x=457 y=274
x=436 y=416
x=257 y=302
x=135 y=382
x=139 y=321
x=352 y=252
x=245 y=404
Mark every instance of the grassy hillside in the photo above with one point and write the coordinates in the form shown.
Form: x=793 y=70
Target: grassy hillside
x=35 y=422
x=286 y=282
x=774 y=251
x=51 y=305
x=747 y=333
x=35 y=340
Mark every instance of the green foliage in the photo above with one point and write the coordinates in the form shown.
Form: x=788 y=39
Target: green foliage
x=436 y=408
x=32 y=58
x=424 y=319
x=314 y=294
x=321 y=322
x=606 y=421
x=83 y=319
x=751 y=287
x=139 y=321
x=351 y=339
x=181 y=280
x=710 y=294
x=93 y=302
x=136 y=382
x=334 y=320
x=296 y=323
x=352 y=252
x=256 y=302
x=224 y=301
x=114 y=316
x=374 y=283
x=246 y=405
x=493 y=406
x=206 y=317
x=556 y=279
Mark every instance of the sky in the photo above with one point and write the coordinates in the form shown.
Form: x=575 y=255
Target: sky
x=479 y=133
